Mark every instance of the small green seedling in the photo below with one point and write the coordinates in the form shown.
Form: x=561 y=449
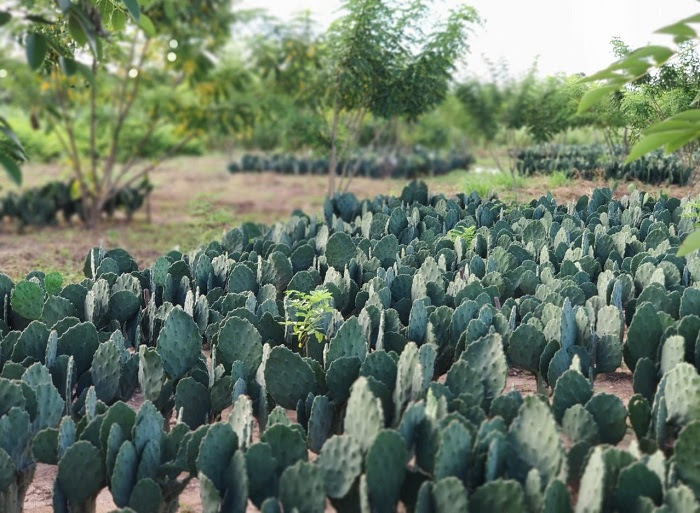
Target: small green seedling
x=466 y=233
x=310 y=310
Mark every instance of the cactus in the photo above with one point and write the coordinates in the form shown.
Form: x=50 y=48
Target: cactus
x=498 y=495
x=364 y=416
x=643 y=335
x=534 y=442
x=556 y=498
x=341 y=461
x=241 y=420
x=287 y=443
x=27 y=300
x=340 y=249
x=24 y=422
x=179 y=343
x=571 y=388
x=320 y=423
x=288 y=377
x=106 y=371
x=349 y=340
x=454 y=453
x=485 y=357
x=580 y=426
x=635 y=482
x=192 y=402
x=525 y=347
x=687 y=451
x=80 y=477
x=238 y=340
x=302 y=488
x=385 y=464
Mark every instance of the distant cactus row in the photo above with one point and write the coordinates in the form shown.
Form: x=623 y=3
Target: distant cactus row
x=41 y=206
x=419 y=305
x=412 y=165
x=588 y=161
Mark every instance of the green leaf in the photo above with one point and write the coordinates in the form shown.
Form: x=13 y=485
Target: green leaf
x=649 y=143
x=4 y=17
x=36 y=50
x=690 y=244
x=680 y=31
x=147 y=26
x=594 y=96
x=681 y=140
x=68 y=66
x=86 y=72
x=76 y=30
x=660 y=54
x=695 y=18
x=118 y=20
x=11 y=167
x=134 y=10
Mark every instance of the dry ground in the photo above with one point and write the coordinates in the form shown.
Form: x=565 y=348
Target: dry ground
x=195 y=199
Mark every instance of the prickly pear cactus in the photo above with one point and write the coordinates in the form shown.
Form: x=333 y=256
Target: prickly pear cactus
x=534 y=443
x=179 y=343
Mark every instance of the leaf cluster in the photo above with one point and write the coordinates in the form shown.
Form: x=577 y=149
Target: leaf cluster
x=310 y=310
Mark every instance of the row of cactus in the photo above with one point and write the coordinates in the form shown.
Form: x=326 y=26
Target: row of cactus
x=431 y=446
x=412 y=165
x=422 y=288
x=589 y=160
x=40 y=206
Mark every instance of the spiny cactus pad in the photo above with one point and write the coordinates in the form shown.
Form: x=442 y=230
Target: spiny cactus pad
x=302 y=488
x=288 y=377
x=364 y=416
x=385 y=465
x=534 y=442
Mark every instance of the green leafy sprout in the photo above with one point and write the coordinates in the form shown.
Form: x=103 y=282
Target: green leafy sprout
x=466 y=233
x=310 y=309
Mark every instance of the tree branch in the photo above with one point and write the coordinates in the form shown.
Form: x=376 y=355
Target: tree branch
x=143 y=172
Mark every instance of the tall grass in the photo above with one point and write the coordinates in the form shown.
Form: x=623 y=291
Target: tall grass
x=483 y=183
x=558 y=179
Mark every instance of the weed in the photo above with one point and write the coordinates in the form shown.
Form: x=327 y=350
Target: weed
x=558 y=179
x=310 y=310
x=466 y=233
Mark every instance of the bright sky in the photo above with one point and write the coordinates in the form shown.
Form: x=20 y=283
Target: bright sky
x=567 y=36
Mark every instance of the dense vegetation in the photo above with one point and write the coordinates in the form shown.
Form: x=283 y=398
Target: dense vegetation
x=592 y=161
x=398 y=383
x=40 y=206
x=292 y=87
x=409 y=165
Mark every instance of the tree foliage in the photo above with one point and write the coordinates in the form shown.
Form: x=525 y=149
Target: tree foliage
x=150 y=63
x=652 y=67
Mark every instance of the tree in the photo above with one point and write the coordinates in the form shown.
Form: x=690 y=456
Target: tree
x=287 y=59
x=675 y=131
x=382 y=61
x=33 y=19
x=500 y=106
x=136 y=74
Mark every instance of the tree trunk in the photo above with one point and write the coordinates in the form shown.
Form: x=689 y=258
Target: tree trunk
x=333 y=161
x=92 y=208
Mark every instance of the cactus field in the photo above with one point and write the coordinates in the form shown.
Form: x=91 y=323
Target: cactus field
x=362 y=360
